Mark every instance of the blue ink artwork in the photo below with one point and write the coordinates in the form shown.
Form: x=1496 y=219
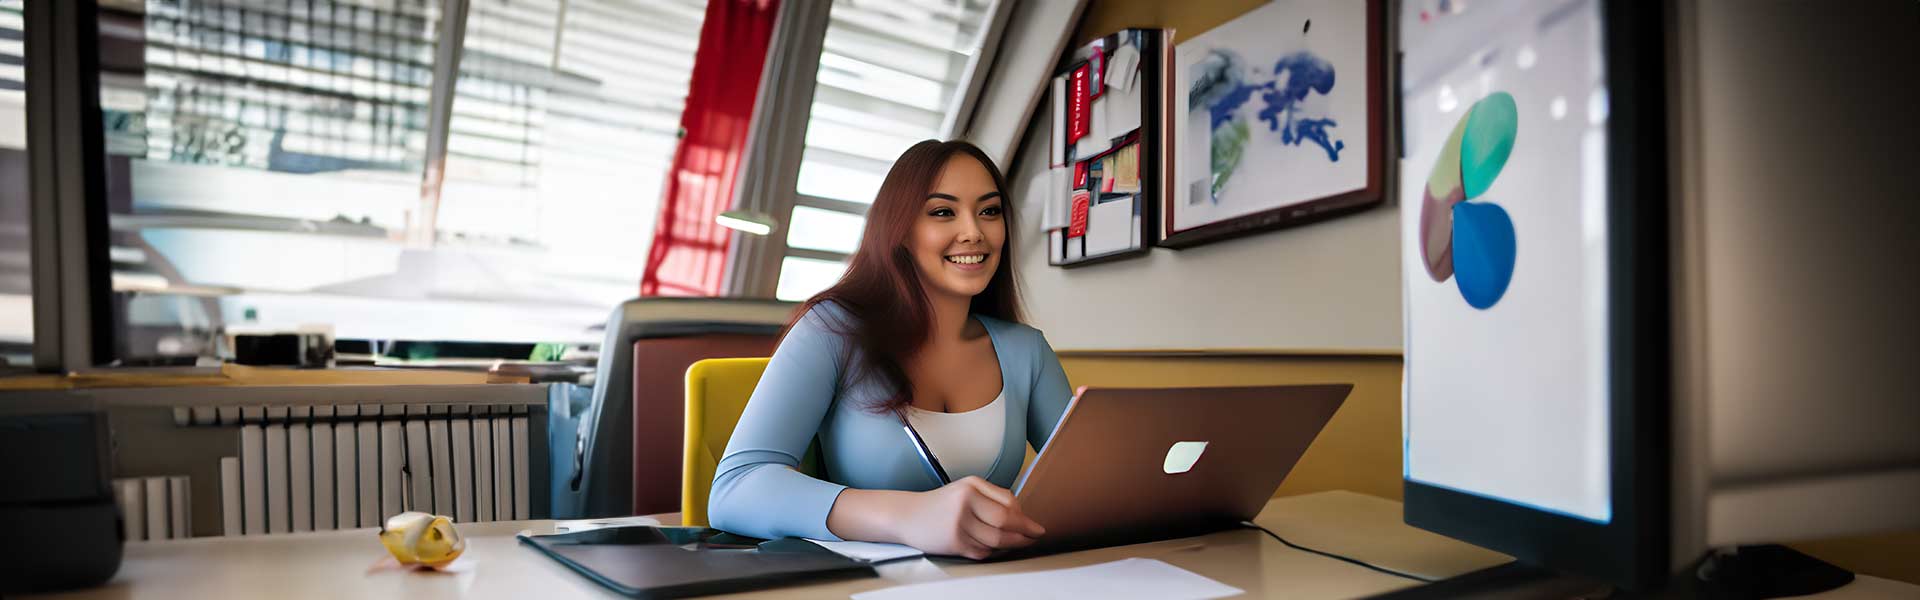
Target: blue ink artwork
x=1305 y=73
x=1221 y=85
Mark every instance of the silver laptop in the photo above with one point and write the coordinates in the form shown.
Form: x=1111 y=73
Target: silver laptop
x=1131 y=465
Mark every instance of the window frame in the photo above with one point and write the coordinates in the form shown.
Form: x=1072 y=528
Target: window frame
x=70 y=264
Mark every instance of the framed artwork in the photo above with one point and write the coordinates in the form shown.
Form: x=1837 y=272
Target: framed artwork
x=1279 y=119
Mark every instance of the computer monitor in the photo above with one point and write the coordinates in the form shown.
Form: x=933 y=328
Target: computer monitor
x=1534 y=237
x=1657 y=260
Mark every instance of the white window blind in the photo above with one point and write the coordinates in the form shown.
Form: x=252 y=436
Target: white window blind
x=277 y=151
x=890 y=72
x=564 y=124
x=16 y=280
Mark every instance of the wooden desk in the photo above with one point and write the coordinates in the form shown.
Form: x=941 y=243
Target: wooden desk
x=340 y=564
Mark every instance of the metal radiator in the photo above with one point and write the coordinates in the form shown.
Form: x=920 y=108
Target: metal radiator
x=319 y=468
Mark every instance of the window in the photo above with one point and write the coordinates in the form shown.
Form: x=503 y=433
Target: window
x=16 y=276
x=890 y=75
x=569 y=156
x=270 y=164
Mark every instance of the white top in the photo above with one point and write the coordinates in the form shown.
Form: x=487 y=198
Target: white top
x=965 y=443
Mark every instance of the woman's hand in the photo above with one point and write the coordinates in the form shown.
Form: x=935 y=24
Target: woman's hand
x=969 y=517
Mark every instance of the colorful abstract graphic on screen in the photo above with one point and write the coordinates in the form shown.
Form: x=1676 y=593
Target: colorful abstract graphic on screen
x=1463 y=235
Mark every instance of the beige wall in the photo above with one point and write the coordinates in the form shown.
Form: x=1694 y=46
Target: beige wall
x=1334 y=285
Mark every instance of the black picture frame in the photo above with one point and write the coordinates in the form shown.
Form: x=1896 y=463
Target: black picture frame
x=1319 y=209
x=1632 y=549
x=1151 y=139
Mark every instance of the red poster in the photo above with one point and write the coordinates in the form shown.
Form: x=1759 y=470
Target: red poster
x=1079 y=105
x=1077 y=226
x=1080 y=175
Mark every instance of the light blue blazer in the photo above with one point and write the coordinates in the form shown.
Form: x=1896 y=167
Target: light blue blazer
x=806 y=392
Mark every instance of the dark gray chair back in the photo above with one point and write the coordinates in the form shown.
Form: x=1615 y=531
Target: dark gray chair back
x=600 y=481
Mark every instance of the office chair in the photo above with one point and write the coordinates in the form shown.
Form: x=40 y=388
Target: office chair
x=717 y=394
x=623 y=456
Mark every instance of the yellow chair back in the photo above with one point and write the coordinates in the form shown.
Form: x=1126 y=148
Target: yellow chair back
x=717 y=394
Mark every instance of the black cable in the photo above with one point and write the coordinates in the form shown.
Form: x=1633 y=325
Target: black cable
x=1253 y=525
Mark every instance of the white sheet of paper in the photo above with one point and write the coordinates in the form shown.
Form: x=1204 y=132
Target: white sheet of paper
x=905 y=572
x=1097 y=128
x=919 y=570
x=592 y=524
x=1054 y=197
x=1057 y=145
x=869 y=551
x=1120 y=68
x=1123 y=111
x=1107 y=226
x=1142 y=578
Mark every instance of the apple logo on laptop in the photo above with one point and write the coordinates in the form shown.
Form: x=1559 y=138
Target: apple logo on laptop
x=1181 y=456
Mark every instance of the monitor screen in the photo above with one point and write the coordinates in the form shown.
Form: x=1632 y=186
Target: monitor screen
x=1504 y=252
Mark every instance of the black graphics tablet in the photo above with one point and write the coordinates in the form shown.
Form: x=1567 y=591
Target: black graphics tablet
x=682 y=562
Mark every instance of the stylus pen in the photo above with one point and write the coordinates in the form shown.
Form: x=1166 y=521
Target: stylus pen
x=926 y=456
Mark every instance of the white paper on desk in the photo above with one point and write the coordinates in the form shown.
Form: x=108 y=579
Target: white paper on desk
x=869 y=551
x=902 y=572
x=1142 y=578
x=592 y=524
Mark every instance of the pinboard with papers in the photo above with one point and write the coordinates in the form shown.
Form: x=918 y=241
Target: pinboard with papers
x=1106 y=149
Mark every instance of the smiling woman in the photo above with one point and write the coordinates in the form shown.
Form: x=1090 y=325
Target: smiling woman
x=923 y=329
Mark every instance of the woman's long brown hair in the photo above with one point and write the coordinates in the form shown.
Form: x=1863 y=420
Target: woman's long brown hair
x=890 y=314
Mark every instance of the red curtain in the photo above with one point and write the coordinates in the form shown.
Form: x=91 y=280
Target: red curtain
x=689 y=252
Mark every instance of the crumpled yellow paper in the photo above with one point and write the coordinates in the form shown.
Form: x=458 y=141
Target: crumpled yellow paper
x=417 y=538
